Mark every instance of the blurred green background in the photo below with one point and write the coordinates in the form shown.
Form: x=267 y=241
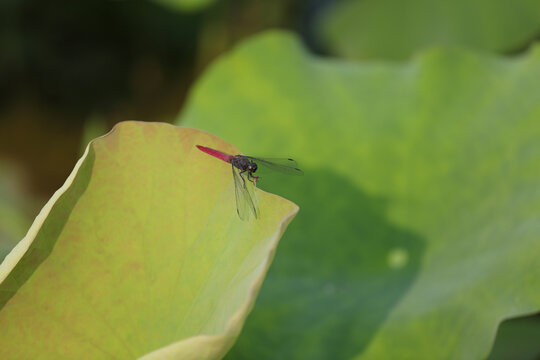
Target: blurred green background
x=378 y=76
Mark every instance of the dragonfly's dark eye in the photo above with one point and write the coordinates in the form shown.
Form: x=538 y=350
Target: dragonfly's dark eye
x=253 y=167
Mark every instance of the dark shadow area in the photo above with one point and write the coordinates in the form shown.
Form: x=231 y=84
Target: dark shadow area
x=341 y=266
x=91 y=55
x=47 y=236
x=104 y=56
x=518 y=339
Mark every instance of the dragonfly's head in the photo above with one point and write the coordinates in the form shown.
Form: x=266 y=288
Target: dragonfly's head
x=252 y=167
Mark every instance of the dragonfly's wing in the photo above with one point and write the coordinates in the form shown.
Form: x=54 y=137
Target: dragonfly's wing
x=287 y=166
x=245 y=196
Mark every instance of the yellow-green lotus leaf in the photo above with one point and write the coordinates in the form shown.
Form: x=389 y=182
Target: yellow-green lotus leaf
x=139 y=254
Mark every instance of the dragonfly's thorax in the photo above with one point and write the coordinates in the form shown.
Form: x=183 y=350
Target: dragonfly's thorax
x=244 y=164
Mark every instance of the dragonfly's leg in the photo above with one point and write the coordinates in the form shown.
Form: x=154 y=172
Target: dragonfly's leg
x=253 y=178
x=242 y=177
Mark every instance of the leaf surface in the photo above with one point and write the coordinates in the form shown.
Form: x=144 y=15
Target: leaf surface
x=186 y=5
x=397 y=29
x=420 y=221
x=139 y=254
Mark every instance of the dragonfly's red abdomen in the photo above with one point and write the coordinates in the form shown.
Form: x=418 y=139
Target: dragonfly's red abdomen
x=216 y=153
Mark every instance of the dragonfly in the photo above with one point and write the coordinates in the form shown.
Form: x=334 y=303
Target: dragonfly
x=244 y=169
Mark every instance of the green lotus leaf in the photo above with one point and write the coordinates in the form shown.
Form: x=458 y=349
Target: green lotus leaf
x=185 y=5
x=139 y=254
x=396 y=29
x=421 y=207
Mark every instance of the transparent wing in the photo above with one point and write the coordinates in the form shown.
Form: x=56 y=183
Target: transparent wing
x=245 y=196
x=286 y=166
